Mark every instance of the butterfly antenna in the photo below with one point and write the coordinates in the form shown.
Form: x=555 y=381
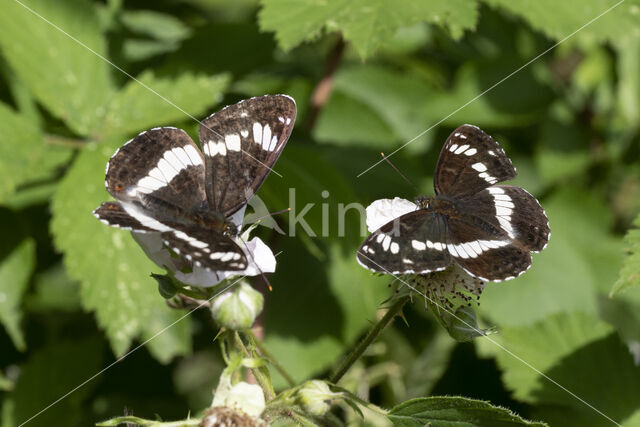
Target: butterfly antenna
x=272 y=214
x=400 y=173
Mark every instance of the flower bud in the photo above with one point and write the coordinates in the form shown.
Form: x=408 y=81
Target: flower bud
x=237 y=308
x=314 y=397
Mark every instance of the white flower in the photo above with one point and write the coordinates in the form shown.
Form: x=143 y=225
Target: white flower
x=383 y=211
x=260 y=258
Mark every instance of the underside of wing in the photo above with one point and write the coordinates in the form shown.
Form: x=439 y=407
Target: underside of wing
x=161 y=166
x=128 y=217
x=414 y=243
x=241 y=143
x=208 y=249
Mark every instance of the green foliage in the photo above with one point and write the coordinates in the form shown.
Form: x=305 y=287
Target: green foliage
x=564 y=347
x=153 y=101
x=39 y=385
x=75 y=295
x=630 y=272
x=459 y=411
x=558 y=21
x=25 y=156
x=17 y=260
x=62 y=73
x=366 y=24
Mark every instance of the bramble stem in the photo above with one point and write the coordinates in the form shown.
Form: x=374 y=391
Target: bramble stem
x=262 y=379
x=368 y=339
x=272 y=360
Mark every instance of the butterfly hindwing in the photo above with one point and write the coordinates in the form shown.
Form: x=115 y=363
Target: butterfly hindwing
x=513 y=210
x=161 y=166
x=211 y=250
x=241 y=143
x=412 y=243
x=470 y=161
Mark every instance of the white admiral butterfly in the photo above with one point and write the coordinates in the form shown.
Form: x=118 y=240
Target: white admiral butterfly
x=489 y=230
x=164 y=183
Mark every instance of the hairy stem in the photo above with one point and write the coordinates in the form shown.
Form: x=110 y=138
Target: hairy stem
x=371 y=336
x=259 y=375
x=255 y=341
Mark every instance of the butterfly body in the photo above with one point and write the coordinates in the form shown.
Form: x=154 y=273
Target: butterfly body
x=164 y=183
x=489 y=230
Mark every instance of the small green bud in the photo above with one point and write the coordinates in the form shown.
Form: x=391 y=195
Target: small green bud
x=238 y=308
x=314 y=397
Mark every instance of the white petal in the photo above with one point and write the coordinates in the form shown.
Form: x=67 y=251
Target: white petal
x=382 y=211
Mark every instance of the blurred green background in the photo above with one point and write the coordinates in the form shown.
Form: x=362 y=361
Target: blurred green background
x=75 y=295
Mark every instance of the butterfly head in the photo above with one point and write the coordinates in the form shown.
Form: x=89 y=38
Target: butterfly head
x=229 y=229
x=423 y=202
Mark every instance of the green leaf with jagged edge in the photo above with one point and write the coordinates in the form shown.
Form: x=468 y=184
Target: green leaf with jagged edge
x=567 y=347
x=136 y=107
x=630 y=273
x=24 y=156
x=64 y=74
x=48 y=375
x=17 y=261
x=364 y=23
x=593 y=21
x=111 y=267
x=454 y=411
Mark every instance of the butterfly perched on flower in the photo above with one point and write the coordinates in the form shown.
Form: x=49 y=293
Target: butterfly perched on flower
x=489 y=230
x=164 y=184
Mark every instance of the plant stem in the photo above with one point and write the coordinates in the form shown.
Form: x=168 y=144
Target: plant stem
x=322 y=91
x=262 y=379
x=272 y=360
x=368 y=339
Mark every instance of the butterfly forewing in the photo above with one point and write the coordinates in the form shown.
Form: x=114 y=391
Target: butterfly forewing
x=241 y=143
x=470 y=161
x=412 y=243
x=155 y=168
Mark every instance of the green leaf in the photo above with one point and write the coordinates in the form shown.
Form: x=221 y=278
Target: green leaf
x=629 y=84
x=17 y=261
x=160 y=26
x=345 y=120
x=64 y=75
x=136 y=108
x=565 y=347
x=24 y=157
x=454 y=411
x=396 y=99
x=49 y=374
x=630 y=273
x=54 y=290
x=559 y=19
x=364 y=23
x=111 y=268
